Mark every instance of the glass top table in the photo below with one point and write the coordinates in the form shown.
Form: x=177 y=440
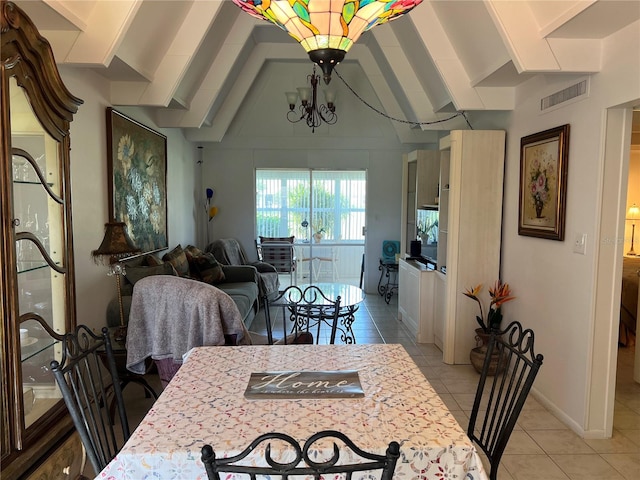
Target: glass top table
x=350 y=295
x=350 y=299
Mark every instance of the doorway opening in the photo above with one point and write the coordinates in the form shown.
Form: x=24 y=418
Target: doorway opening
x=604 y=354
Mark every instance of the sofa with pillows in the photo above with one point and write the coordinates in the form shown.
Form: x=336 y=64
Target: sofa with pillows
x=238 y=281
x=229 y=252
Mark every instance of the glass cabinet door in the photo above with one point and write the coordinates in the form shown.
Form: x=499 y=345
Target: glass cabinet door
x=37 y=280
x=39 y=226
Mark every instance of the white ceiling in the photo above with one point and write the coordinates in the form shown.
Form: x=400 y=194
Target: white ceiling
x=192 y=62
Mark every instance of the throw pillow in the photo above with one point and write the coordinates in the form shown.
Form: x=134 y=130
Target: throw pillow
x=134 y=261
x=208 y=269
x=133 y=274
x=193 y=251
x=178 y=259
x=153 y=261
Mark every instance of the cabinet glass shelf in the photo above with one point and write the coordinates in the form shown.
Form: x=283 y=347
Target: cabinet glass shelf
x=33 y=346
x=31 y=266
x=29 y=182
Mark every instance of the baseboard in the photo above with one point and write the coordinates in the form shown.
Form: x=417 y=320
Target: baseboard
x=410 y=324
x=561 y=415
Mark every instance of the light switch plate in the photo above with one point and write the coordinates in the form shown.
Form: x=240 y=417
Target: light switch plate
x=580 y=243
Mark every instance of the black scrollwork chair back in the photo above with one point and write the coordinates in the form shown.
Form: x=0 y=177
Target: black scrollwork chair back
x=304 y=310
x=88 y=379
x=509 y=369
x=305 y=461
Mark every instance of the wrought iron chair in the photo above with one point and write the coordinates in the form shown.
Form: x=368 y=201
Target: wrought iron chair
x=88 y=388
x=511 y=360
x=305 y=461
x=306 y=309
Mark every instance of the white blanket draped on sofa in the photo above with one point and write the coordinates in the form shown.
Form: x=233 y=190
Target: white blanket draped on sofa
x=170 y=315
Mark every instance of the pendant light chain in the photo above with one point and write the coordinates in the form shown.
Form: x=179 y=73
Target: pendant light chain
x=461 y=113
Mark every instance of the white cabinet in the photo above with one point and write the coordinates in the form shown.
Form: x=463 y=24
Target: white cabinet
x=443 y=209
x=415 y=299
x=469 y=171
x=439 y=297
x=420 y=177
x=471 y=227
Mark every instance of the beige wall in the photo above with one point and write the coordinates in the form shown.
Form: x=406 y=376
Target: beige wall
x=556 y=288
x=89 y=189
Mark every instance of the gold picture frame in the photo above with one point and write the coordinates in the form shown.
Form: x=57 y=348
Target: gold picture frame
x=543 y=183
x=137 y=172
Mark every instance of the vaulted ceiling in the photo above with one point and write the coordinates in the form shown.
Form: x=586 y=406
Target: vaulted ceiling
x=192 y=62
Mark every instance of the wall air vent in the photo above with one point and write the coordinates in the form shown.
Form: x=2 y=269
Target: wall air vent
x=574 y=92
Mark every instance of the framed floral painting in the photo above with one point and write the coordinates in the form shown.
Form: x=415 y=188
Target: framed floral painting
x=137 y=169
x=543 y=183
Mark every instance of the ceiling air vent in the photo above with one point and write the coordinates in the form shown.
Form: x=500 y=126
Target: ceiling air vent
x=574 y=92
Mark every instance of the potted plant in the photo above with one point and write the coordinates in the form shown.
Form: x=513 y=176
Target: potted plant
x=424 y=230
x=499 y=295
x=318 y=234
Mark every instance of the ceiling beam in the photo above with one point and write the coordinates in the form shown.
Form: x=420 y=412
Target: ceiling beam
x=216 y=75
x=174 y=64
x=106 y=28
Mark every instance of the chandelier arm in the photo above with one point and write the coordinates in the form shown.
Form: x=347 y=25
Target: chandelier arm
x=313 y=120
x=330 y=117
x=457 y=114
x=293 y=117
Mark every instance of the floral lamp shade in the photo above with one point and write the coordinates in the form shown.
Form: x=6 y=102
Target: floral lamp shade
x=326 y=29
x=115 y=245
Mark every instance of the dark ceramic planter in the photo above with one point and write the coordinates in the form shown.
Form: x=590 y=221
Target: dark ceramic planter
x=478 y=354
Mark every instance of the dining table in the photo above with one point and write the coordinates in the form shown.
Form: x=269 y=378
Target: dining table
x=210 y=401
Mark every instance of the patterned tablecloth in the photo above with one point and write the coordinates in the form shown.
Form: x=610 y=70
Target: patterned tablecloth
x=205 y=403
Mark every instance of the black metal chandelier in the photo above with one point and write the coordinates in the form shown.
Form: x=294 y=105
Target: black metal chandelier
x=310 y=111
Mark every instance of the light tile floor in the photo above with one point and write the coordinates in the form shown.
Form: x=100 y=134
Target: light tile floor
x=541 y=447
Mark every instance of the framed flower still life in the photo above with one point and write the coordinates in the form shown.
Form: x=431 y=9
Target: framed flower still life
x=137 y=172
x=543 y=183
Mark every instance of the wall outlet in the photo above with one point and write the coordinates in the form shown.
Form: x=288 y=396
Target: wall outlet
x=580 y=243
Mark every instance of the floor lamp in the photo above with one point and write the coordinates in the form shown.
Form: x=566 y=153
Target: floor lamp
x=633 y=214
x=115 y=246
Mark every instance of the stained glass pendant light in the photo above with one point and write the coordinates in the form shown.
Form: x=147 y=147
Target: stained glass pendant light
x=326 y=28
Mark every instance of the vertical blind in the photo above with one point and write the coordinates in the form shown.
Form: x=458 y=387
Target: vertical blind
x=331 y=202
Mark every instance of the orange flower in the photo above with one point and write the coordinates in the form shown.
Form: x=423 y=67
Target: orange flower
x=473 y=292
x=500 y=293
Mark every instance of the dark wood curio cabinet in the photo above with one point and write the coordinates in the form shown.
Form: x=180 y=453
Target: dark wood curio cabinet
x=37 y=276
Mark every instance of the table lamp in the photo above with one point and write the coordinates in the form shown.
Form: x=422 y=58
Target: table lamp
x=633 y=214
x=115 y=246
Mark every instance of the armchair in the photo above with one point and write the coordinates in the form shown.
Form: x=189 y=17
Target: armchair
x=228 y=251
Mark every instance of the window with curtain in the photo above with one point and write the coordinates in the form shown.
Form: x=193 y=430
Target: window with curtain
x=330 y=202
